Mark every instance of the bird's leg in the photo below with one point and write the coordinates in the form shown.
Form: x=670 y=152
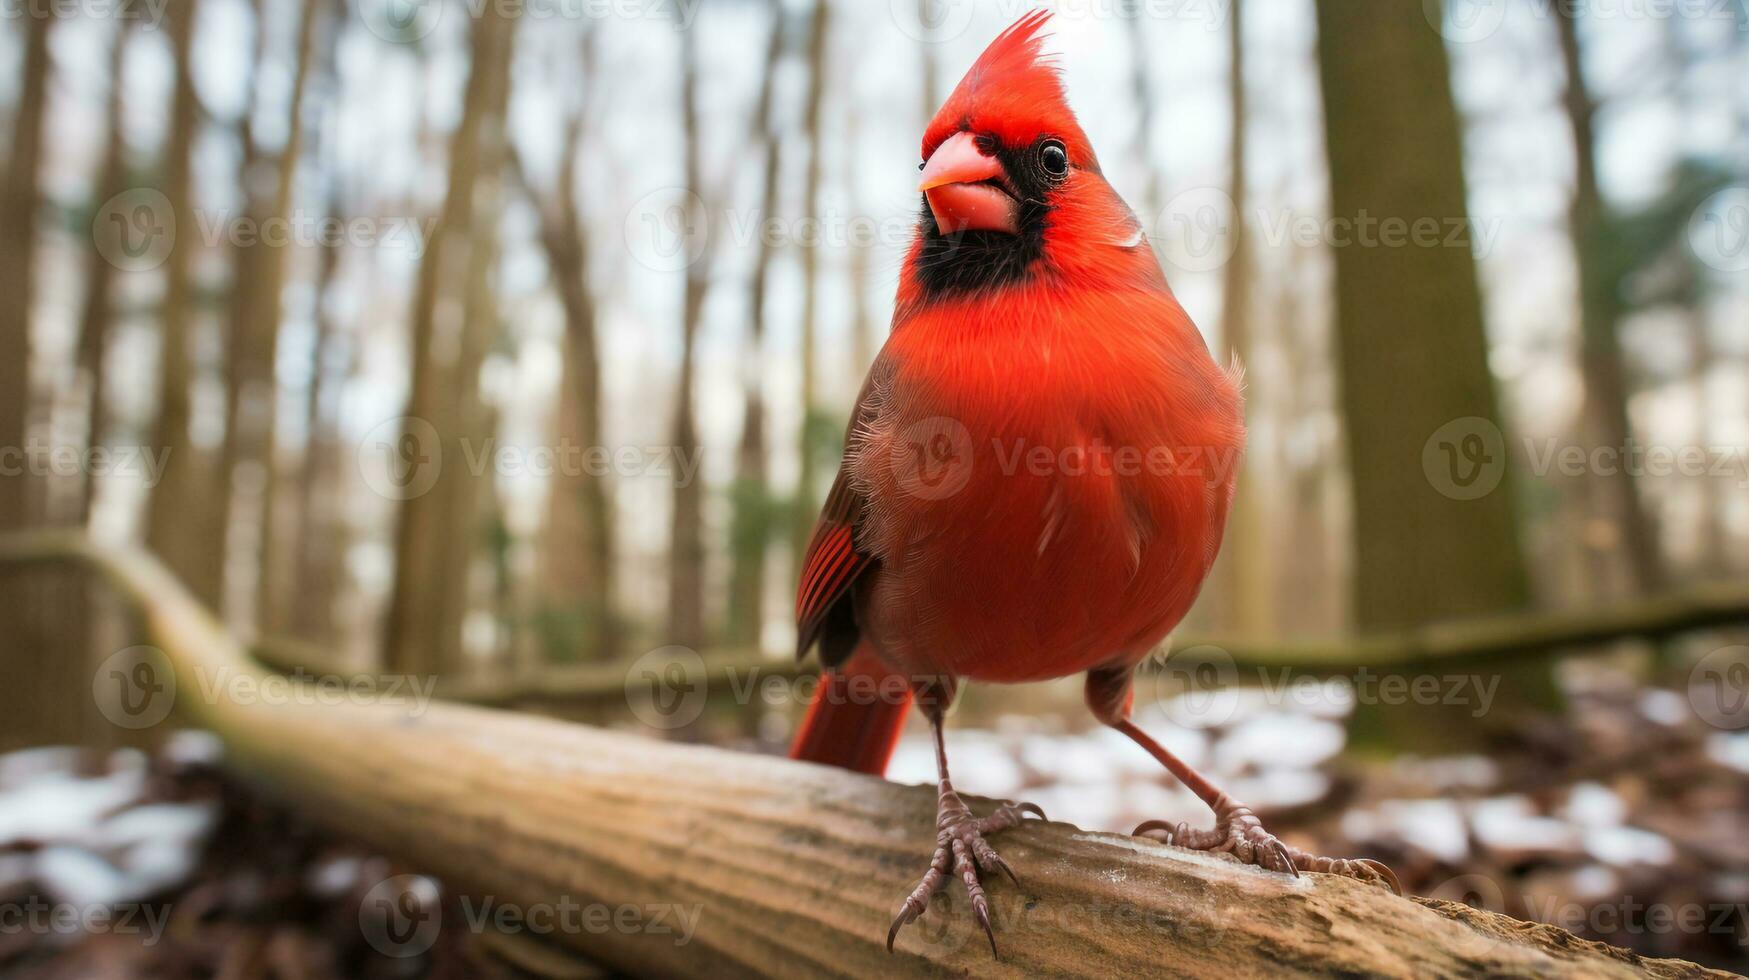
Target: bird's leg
x=1237 y=829
x=960 y=848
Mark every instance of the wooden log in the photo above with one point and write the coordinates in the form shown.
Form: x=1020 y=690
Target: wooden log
x=781 y=868
x=1451 y=646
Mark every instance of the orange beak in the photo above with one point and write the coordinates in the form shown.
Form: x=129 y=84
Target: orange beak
x=964 y=188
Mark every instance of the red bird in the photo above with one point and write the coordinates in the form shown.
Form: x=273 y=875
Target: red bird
x=1037 y=471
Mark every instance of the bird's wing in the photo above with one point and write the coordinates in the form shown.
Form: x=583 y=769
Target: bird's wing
x=834 y=563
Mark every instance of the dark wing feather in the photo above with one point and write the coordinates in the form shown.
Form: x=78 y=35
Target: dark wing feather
x=833 y=564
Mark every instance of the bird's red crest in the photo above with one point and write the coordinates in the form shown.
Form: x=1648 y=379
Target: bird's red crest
x=1014 y=92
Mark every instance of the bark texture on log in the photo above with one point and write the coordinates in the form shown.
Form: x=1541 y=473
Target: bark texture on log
x=792 y=869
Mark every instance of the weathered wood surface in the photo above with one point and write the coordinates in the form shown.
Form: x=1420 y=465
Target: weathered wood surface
x=791 y=869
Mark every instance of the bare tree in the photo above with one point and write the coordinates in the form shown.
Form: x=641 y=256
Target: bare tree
x=319 y=540
x=301 y=587
x=179 y=499
x=1412 y=351
x=578 y=548
x=866 y=336
x=270 y=270
x=416 y=632
x=1600 y=312
x=686 y=538
x=470 y=500
x=929 y=74
x=96 y=310
x=750 y=529
x=37 y=686
x=1142 y=90
x=813 y=427
x=1244 y=561
x=244 y=370
x=20 y=494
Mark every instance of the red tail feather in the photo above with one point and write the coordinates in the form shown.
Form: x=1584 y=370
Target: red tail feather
x=856 y=716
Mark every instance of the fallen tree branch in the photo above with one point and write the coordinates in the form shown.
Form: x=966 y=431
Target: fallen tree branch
x=1450 y=646
x=789 y=869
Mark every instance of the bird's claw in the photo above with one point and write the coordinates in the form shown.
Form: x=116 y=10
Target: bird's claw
x=960 y=848
x=1238 y=832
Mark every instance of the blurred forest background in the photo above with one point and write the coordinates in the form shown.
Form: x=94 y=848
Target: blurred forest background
x=500 y=340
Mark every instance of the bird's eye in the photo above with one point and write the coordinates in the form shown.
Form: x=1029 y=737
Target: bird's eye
x=1054 y=158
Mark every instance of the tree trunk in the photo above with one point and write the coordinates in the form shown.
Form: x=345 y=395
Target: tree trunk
x=179 y=514
x=96 y=312
x=91 y=609
x=928 y=72
x=272 y=588
x=21 y=494
x=750 y=527
x=1243 y=566
x=813 y=427
x=414 y=633
x=576 y=594
x=1600 y=311
x=686 y=531
x=36 y=686
x=1438 y=540
x=1142 y=54
x=301 y=600
x=319 y=541
x=243 y=357
x=466 y=497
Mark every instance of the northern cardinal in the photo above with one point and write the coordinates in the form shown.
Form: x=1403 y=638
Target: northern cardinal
x=1037 y=471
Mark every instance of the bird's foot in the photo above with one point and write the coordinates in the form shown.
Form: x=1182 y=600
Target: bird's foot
x=1238 y=832
x=960 y=849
